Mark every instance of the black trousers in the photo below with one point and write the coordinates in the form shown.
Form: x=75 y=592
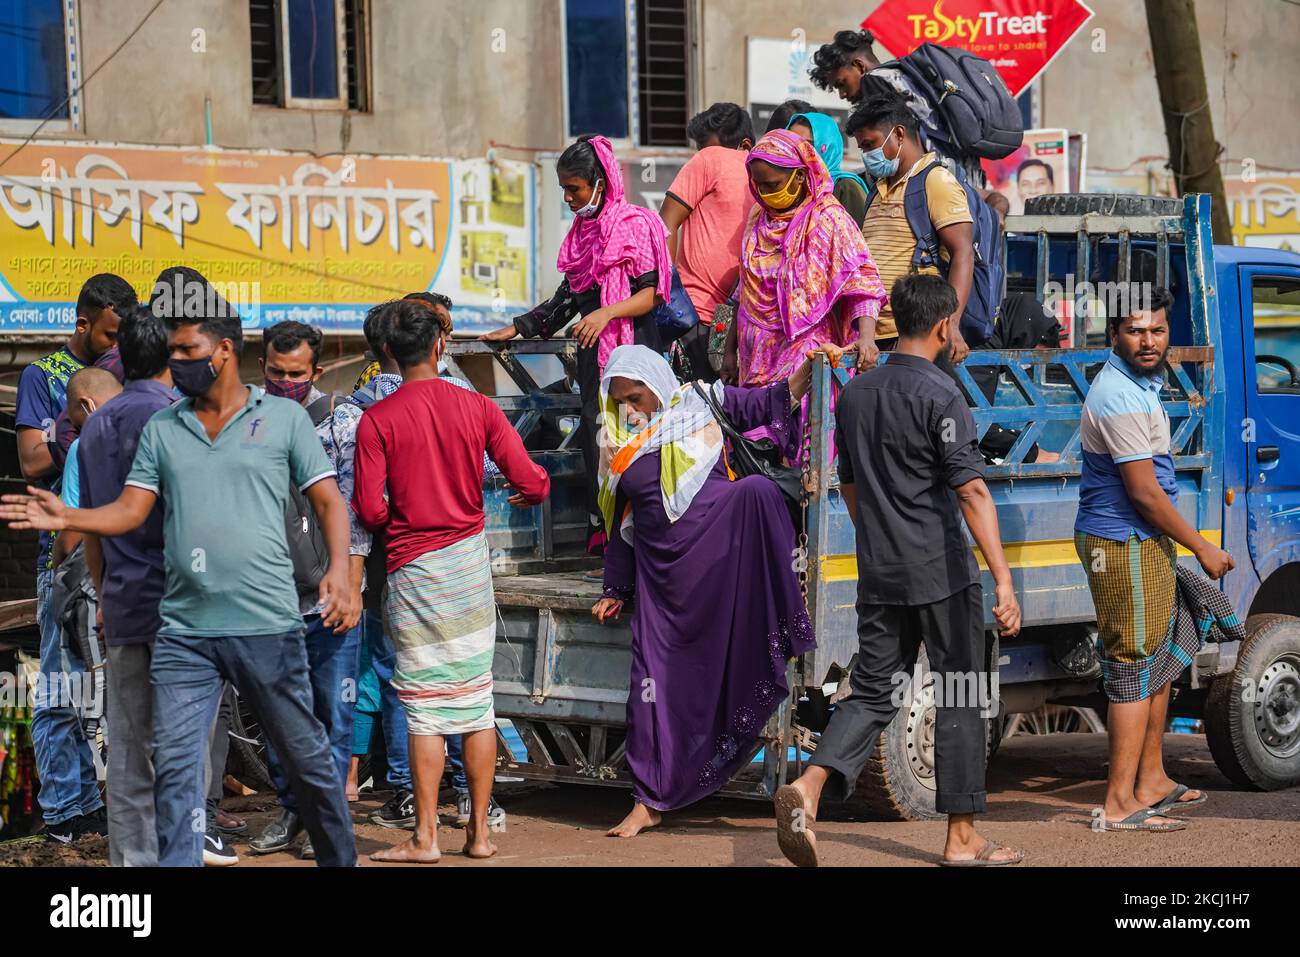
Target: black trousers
x=952 y=631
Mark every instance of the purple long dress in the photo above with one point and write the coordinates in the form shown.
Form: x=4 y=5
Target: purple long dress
x=717 y=616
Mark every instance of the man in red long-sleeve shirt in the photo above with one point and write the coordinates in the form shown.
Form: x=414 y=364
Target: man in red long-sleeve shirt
x=423 y=446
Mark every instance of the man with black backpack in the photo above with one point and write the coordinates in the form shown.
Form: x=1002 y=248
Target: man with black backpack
x=291 y=365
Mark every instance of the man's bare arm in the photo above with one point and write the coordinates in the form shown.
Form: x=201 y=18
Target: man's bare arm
x=34 y=454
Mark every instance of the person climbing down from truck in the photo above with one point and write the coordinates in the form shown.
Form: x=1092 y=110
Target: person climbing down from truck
x=718 y=612
x=807 y=278
x=419 y=477
x=910 y=471
x=1125 y=535
x=616 y=270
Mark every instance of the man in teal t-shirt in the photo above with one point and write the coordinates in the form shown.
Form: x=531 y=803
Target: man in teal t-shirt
x=219 y=463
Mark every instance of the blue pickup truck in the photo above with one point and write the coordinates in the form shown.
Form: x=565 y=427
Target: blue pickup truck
x=1233 y=396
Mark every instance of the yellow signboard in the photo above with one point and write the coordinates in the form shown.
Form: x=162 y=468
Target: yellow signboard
x=284 y=236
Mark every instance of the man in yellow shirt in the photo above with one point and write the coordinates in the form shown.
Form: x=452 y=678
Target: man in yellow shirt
x=887 y=131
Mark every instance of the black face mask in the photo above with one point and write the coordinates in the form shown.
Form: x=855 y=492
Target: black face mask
x=193 y=377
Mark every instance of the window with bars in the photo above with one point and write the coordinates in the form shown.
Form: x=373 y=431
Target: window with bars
x=598 y=37
x=37 y=62
x=663 y=71
x=297 y=57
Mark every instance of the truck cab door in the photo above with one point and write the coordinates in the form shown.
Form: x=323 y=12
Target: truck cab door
x=1270 y=311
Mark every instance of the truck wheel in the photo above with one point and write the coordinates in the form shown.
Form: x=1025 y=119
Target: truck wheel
x=1106 y=204
x=1252 y=716
x=898 y=782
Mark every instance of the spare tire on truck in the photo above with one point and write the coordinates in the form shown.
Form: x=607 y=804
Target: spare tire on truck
x=1104 y=204
x=1252 y=716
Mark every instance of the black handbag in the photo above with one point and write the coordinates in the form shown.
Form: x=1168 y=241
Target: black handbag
x=758 y=457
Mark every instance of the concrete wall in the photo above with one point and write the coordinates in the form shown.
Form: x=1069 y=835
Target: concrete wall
x=439 y=89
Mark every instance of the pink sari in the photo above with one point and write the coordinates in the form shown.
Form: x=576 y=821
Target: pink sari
x=806 y=276
x=613 y=247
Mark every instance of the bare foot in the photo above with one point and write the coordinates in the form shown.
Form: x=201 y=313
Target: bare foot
x=477 y=845
x=794 y=831
x=641 y=818
x=410 y=851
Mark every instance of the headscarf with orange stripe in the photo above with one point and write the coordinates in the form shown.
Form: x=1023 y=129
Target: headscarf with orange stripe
x=683 y=432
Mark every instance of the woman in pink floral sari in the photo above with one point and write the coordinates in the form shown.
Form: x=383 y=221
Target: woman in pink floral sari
x=806 y=276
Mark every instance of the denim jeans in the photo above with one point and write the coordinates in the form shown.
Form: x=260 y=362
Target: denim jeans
x=332 y=662
x=382 y=658
x=271 y=672
x=456 y=761
x=63 y=758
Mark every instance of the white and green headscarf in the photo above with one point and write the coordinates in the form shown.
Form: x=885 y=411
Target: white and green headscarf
x=683 y=432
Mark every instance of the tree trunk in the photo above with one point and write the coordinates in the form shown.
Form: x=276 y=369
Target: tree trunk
x=1185 y=102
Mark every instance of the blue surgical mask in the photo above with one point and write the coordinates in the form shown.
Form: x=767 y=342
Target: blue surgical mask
x=879 y=165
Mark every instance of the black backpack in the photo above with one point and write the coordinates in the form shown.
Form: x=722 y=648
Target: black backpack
x=969 y=97
x=308 y=549
x=988 y=282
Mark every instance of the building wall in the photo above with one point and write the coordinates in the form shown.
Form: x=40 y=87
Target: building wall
x=438 y=88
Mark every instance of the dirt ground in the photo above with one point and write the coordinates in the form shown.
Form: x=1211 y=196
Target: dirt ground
x=1041 y=789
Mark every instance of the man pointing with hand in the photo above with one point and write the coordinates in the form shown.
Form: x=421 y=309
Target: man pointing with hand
x=220 y=461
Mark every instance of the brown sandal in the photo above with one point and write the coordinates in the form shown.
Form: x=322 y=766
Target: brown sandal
x=794 y=827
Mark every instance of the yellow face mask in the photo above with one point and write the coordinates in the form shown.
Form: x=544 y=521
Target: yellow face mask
x=785 y=196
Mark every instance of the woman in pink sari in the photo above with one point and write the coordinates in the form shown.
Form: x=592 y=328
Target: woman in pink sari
x=616 y=270
x=806 y=276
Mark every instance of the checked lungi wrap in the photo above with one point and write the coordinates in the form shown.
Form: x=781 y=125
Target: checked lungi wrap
x=441 y=615
x=1134 y=586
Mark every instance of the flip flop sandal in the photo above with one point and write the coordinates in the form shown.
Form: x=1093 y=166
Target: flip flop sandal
x=985 y=857
x=1140 y=821
x=1172 y=800
x=794 y=842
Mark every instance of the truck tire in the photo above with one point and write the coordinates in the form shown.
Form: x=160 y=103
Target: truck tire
x=1106 y=204
x=898 y=782
x=1252 y=716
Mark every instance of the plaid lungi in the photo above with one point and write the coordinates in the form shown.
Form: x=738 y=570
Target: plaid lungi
x=441 y=615
x=1134 y=586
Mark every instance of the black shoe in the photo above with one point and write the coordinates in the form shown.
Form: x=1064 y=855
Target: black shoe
x=65 y=832
x=216 y=852
x=398 y=812
x=496 y=814
x=279 y=835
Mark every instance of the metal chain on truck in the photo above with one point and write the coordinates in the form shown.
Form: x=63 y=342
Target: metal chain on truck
x=807 y=484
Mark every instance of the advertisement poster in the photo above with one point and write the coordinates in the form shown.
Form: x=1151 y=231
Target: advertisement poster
x=1019 y=37
x=776 y=70
x=1040 y=166
x=280 y=235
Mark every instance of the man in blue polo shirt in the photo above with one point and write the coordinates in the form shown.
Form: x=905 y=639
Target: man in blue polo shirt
x=221 y=461
x=1125 y=535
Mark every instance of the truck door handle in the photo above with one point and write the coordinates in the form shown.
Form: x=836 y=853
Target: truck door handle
x=1266 y=453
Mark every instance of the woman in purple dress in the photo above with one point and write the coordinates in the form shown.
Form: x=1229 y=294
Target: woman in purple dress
x=718 y=612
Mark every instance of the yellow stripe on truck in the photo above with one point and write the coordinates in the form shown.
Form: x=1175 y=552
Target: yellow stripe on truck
x=1041 y=554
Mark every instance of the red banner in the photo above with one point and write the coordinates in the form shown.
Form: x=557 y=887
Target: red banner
x=1019 y=37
